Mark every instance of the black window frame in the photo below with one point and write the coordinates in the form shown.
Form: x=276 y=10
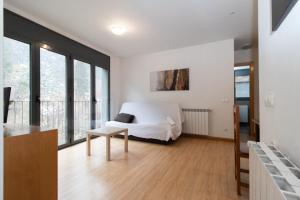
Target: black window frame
x=67 y=57
x=24 y=30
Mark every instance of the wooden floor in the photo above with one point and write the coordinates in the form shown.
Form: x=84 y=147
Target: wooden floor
x=191 y=168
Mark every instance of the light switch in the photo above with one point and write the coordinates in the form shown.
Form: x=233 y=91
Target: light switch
x=267 y=101
x=270 y=100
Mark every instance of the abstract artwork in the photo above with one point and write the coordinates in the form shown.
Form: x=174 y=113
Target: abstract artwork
x=170 y=80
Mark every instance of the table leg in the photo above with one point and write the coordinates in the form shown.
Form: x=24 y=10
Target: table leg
x=108 y=148
x=88 y=144
x=126 y=141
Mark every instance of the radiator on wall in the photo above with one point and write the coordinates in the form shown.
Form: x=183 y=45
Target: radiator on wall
x=195 y=121
x=272 y=175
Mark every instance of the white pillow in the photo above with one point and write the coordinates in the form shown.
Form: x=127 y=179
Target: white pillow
x=171 y=121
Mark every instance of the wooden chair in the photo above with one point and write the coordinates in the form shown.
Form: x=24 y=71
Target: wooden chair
x=241 y=150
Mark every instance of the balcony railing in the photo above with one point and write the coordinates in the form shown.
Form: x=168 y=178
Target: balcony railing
x=53 y=115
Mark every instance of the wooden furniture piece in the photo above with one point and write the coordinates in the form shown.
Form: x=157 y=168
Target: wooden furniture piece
x=108 y=132
x=241 y=150
x=256 y=129
x=30 y=164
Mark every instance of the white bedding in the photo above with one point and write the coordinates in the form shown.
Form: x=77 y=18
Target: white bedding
x=162 y=131
x=152 y=120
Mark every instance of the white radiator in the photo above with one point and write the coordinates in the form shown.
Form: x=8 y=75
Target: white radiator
x=195 y=121
x=272 y=175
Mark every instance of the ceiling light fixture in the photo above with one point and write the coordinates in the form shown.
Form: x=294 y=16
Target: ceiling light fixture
x=118 y=29
x=45 y=46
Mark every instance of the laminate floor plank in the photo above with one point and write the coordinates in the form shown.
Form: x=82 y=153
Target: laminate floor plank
x=190 y=168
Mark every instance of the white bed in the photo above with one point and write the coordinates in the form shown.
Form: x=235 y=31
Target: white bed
x=160 y=121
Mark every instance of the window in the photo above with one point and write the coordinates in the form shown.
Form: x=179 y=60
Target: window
x=82 y=99
x=49 y=87
x=101 y=96
x=242 y=86
x=16 y=69
x=242 y=82
x=53 y=92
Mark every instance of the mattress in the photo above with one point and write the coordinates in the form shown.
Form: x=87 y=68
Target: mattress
x=159 y=131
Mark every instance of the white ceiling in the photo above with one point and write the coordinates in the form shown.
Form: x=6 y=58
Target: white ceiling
x=153 y=25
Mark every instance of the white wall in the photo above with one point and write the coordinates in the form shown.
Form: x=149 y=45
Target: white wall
x=115 y=84
x=211 y=80
x=280 y=75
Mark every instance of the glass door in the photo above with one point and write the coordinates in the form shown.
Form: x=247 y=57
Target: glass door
x=16 y=71
x=82 y=99
x=53 y=93
x=101 y=93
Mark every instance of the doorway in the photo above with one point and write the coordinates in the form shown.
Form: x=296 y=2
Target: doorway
x=244 y=97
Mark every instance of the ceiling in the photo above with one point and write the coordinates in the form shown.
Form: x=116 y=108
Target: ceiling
x=153 y=25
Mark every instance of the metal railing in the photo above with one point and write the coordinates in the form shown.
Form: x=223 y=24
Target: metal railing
x=53 y=115
x=82 y=118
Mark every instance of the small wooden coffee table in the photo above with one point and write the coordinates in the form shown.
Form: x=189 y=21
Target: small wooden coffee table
x=108 y=132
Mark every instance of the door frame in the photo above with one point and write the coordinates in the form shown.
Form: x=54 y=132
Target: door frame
x=252 y=80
